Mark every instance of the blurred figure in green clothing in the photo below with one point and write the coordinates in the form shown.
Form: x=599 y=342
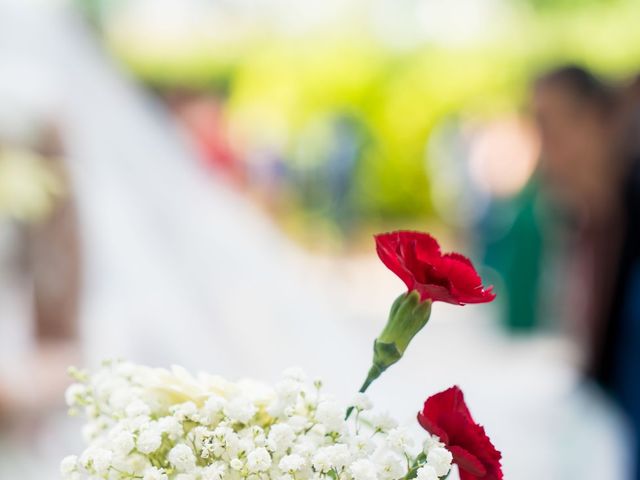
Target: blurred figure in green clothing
x=503 y=160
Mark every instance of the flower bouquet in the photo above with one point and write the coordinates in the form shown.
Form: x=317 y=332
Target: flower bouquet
x=155 y=424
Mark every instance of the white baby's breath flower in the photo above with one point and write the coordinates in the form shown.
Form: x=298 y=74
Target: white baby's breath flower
x=213 y=472
x=75 y=394
x=123 y=442
x=391 y=466
x=432 y=441
x=362 y=445
x=184 y=411
x=149 y=439
x=383 y=422
x=154 y=473
x=317 y=431
x=362 y=402
x=363 y=469
x=91 y=430
x=426 y=472
x=298 y=423
x=137 y=408
x=68 y=465
x=246 y=444
x=186 y=476
x=136 y=423
x=236 y=464
x=291 y=463
x=400 y=440
x=339 y=455
x=258 y=460
x=212 y=410
x=171 y=426
x=121 y=398
x=97 y=459
x=206 y=428
x=240 y=410
x=280 y=437
x=321 y=461
x=181 y=456
x=330 y=415
x=440 y=459
x=305 y=447
x=91 y=410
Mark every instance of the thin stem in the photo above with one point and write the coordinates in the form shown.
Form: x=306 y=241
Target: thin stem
x=374 y=372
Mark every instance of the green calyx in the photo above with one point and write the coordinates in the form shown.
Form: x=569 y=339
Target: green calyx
x=407 y=317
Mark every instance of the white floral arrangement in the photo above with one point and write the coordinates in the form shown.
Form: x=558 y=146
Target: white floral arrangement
x=157 y=424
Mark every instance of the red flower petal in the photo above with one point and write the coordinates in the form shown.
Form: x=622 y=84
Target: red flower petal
x=447 y=416
x=467 y=461
x=417 y=260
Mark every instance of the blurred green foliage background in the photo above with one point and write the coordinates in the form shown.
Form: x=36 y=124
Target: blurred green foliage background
x=291 y=93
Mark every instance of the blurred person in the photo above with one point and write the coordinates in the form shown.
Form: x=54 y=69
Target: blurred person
x=503 y=161
x=582 y=169
x=617 y=359
x=586 y=171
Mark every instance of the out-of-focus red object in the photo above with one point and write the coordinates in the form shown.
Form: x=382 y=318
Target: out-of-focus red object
x=203 y=117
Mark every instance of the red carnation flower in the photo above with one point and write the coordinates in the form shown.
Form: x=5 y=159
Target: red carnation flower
x=416 y=258
x=446 y=415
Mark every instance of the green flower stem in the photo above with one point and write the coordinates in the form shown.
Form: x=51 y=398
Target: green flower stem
x=407 y=317
x=374 y=372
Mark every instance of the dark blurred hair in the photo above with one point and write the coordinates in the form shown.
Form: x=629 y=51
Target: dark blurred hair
x=582 y=84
